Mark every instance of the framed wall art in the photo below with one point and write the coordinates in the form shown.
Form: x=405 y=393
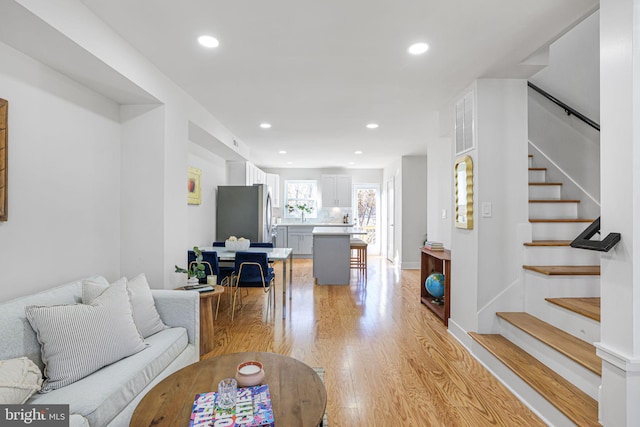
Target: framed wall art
x=194 y=186
x=463 y=174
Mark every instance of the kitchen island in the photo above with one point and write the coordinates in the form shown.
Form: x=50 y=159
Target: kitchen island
x=332 y=254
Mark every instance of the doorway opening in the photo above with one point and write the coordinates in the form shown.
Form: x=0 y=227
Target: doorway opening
x=367 y=214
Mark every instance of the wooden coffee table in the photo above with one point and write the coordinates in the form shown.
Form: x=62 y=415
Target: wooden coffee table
x=298 y=395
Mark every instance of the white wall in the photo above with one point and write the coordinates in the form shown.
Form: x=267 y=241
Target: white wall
x=619 y=344
x=153 y=229
x=202 y=218
x=486 y=262
x=440 y=190
x=64 y=180
x=572 y=76
x=573 y=73
x=142 y=191
x=414 y=209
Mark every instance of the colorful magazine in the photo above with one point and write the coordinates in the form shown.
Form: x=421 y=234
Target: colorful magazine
x=252 y=409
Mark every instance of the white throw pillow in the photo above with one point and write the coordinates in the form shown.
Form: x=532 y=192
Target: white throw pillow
x=19 y=379
x=79 y=339
x=145 y=314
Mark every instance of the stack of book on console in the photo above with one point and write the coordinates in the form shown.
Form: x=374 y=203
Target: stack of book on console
x=199 y=288
x=434 y=246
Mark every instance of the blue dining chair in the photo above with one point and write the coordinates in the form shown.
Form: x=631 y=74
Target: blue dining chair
x=252 y=271
x=210 y=261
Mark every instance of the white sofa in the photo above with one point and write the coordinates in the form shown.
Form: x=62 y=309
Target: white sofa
x=108 y=396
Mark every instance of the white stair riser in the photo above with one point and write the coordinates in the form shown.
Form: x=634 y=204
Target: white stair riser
x=552 y=416
x=573 y=372
x=537 y=176
x=541 y=286
x=530 y=162
x=553 y=210
x=573 y=323
x=560 y=255
x=557 y=230
x=545 y=192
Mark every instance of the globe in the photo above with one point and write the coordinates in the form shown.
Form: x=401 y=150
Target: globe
x=435 y=285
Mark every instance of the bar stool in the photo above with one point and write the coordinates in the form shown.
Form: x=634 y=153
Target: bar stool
x=358 y=261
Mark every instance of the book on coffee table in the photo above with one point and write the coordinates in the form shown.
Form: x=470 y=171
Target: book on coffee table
x=252 y=409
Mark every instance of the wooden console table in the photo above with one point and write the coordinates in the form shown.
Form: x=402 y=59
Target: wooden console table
x=436 y=262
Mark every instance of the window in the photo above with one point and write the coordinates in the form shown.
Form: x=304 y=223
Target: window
x=301 y=194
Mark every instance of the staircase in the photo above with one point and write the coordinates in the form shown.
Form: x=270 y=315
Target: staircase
x=546 y=353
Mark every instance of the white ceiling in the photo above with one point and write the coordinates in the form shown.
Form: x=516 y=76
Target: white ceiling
x=320 y=70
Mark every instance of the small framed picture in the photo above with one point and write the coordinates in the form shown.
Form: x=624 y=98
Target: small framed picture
x=194 y=186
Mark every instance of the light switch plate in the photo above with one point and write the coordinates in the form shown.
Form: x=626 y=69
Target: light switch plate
x=444 y=214
x=486 y=209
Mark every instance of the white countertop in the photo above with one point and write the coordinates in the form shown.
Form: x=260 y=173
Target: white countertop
x=337 y=231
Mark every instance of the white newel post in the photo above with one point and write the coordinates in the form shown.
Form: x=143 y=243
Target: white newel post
x=620 y=187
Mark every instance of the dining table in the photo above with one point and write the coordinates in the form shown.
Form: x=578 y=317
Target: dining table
x=273 y=254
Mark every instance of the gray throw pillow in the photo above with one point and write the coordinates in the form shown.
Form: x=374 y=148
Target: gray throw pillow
x=77 y=340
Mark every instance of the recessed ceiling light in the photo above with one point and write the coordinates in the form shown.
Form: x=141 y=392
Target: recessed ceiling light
x=357 y=152
x=265 y=125
x=289 y=163
x=418 y=48
x=208 y=41
x=352 y=163
x=282 y=152
x=372 y=125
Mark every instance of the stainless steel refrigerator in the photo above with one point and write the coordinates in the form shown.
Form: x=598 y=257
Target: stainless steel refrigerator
x=244 y=211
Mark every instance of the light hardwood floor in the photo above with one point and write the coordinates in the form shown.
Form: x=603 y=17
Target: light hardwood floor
x=388 y=360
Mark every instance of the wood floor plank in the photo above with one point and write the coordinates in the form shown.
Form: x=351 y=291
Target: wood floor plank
x=565 y=270
x=568 y=399
x=388 y=359
x=574 y=348
x=588 y=307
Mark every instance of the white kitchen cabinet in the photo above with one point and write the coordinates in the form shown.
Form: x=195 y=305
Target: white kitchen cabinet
x=273 y=181
x=300 y=240
x=336 y=191
x=281 y=237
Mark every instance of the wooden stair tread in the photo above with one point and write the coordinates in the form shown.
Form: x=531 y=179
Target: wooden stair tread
x=561 y=220
x=545 y=183
x=574 y=348
x=587 y=307
x=553 y=201
x=567 y=398
x=537 y=169
x=548 y=243
x=565 y=270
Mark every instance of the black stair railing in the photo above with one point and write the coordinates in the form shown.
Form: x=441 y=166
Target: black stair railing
x=583 y=241
x=565 y=107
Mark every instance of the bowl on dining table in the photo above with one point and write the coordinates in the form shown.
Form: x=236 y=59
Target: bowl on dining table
x=237 y=245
